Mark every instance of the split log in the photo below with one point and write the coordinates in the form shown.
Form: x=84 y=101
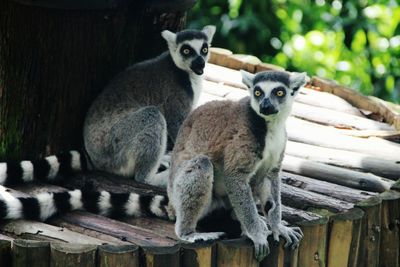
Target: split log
x=235 y=253
x=329 y=189
x=302 y=199
x=219 y=74
x=358 y=100
x=45 y=232
x=393 y=136
x=5 y=252
x=390 y=236
x=347 y=159
x=294 y=216
x=161 y=256
x=346 y=177
x=370 y=232
x=216 y=89
x=198 y=254
x=29 y=253
x=123 y=231
x=326 y=100
x=72 y=255
x=312 y=249
x=344 y=238
x=337 y=119
x=314 y=134
x=276 y=255
x=160 y=227
x=121 y=256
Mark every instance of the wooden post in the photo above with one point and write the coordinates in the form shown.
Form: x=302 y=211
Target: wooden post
x=276 y=255
x=72 y=255
x=370 y=232
x=54 y=61
x=235 y=253
x=121 y=256
x=312 y=249
x=29 y=253
x=5 y=252
x=198 y=254
x=344 y=238
x=390 y=236
x=161 y=256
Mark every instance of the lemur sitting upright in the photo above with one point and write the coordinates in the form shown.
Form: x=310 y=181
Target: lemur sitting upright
x=127 y=126
x=229 y=154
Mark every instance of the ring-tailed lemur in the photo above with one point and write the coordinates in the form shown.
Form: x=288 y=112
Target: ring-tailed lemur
x=230 y=154
x=127 y=126
x=227 y=154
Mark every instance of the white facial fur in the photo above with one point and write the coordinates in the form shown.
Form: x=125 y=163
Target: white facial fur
x=174 y=48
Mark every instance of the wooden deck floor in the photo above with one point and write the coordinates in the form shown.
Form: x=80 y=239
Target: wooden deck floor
x=339 y=185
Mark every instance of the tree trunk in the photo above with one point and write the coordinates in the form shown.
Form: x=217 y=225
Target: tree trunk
x=55 y=61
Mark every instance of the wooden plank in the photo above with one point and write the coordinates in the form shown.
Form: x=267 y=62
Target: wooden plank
x=198 y=254
x=121 y=256
x=235 y=253
x=346 y=159
x=161 y=256
x=390 y=236
x=5 y=252
x=346 y=177
x=329 y=189
x=337 y=119
x=72 y=255
x=41 y=231
x=293 y=215
x=370 y=232
x=158 y=226
x=344 y=236
x=117 y=229
x=30 y=253
x=314 y=134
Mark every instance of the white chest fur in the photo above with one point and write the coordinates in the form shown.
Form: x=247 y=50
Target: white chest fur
x=197 y=85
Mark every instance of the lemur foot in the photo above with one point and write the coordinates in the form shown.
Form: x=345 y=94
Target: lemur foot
x=292 y=235
x=193 y=237
x=261 y=246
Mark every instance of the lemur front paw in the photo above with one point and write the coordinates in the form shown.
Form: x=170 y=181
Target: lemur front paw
x=193 y=237
x=259 y=238
x=292 y=235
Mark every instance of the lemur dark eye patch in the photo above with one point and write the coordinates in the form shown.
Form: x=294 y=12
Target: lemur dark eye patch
x=279 y=91
x=187 y=50
x=204 y=49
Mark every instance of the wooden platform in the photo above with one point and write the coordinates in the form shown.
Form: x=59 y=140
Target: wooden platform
x=340 y=183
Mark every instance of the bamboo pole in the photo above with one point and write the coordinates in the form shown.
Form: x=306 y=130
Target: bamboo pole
x=198 y=254
x=30 y=253
x=161 y=256
x=346 y=177
x=236 y=253
x=370 y=232
x=72 y=255
x=121 y=256
x=312 y=249
x=344 y=238
x=390 y=236
x=347 y=159
x=5 y=252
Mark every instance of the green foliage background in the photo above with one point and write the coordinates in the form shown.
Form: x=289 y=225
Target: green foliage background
x=356 y=42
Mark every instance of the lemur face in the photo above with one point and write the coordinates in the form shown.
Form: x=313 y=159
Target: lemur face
x=273 y=92
x=190 y=48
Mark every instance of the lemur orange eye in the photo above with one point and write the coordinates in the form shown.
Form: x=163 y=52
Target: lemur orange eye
x=186 y=51
x=280 y=93
x=257 y=92
x=205 y=50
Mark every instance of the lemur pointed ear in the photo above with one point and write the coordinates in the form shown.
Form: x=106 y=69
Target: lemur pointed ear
x=297 y=80
x=209 y=30
x=247 y=78
x=170 y=37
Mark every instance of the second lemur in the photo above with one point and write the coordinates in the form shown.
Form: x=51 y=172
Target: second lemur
x=128 y=126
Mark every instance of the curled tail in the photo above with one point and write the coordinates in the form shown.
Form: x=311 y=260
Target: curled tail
x=47 y=169
x=44 y=205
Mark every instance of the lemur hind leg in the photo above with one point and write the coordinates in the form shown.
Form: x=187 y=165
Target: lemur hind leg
x=191 y=197
x=136 y=144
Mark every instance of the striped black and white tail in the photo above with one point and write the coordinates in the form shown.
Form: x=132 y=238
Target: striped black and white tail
x=44 y=205
x=47 y=169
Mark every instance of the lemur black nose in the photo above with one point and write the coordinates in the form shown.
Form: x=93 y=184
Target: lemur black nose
x=267 y=108
x=198 y=65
